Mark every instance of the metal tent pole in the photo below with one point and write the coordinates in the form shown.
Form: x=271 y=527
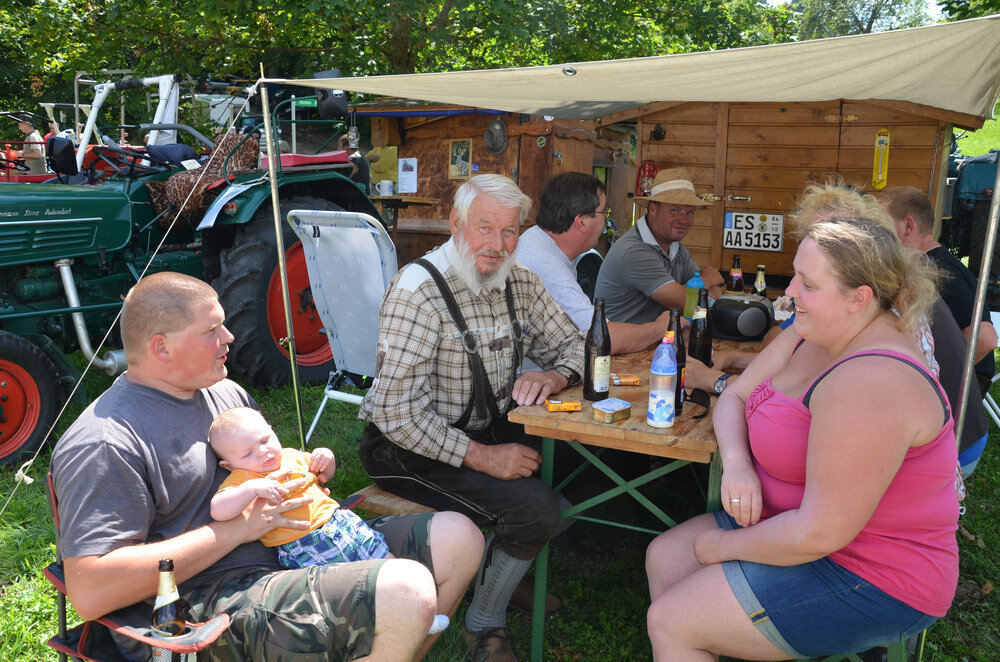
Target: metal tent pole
x=272 y=157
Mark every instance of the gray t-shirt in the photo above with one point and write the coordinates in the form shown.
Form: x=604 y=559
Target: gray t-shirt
x=634 y=268
x=949 y=352
x=136 y=468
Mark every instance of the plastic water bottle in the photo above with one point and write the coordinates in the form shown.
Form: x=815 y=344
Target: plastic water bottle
x=691 y=302
x=662 y=381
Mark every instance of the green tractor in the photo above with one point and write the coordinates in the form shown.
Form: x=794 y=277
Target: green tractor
x=69 y=253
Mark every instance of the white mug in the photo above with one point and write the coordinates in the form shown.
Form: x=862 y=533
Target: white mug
x=385 y=187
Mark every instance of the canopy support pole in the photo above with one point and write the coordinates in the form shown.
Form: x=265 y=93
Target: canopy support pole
x=272 y=157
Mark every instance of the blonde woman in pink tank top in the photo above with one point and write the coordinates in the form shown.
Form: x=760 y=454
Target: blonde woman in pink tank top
x=839 y=486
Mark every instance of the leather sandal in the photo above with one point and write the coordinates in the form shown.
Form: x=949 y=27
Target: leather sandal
x=489 y=645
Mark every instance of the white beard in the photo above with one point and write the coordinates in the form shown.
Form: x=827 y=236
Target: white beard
x=465 y=267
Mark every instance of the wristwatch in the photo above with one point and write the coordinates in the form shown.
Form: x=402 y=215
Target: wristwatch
x=571 y=377
x=720 y=383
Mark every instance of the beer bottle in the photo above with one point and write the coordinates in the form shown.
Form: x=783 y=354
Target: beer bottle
x=759 y=286
x=700 y=339
x=597 y=354
x=662 y=380
x=170 y=611
x=735 y=282
x=681 y=357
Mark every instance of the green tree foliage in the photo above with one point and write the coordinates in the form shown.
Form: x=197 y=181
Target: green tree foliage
x=959 y=9
x=53 y=39
x=834 y=18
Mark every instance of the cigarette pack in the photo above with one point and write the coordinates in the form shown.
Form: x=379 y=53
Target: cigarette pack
x=624 y=379
x=562 y=405
x=611 y=410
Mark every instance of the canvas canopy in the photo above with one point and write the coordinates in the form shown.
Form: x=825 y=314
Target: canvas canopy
x=949 y=66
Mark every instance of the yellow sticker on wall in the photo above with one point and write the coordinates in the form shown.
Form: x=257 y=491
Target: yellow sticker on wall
x=880 y=168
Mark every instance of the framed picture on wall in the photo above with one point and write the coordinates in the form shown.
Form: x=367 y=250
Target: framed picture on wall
x=459 y=159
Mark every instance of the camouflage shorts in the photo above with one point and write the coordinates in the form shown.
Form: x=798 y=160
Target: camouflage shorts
x=321 y=613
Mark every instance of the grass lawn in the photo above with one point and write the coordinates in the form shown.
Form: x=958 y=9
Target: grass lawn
x=983 y=140
x=600 y=577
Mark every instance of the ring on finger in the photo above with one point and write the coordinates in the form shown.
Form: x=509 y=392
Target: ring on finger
x=734 y=500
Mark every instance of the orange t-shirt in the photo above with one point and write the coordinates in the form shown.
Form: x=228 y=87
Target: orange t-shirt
x=317 y=512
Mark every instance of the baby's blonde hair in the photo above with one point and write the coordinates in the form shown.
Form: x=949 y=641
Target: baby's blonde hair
x=229 y=421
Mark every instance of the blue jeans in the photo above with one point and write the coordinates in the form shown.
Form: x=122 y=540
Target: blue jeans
x=818 y=608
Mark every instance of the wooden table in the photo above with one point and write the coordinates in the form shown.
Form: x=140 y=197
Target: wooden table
x=689 y=440
x=397 y=202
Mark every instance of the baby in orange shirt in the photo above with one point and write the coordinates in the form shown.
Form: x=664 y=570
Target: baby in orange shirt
x=248 y=447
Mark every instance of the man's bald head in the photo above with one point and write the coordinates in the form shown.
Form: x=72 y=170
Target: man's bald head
x=164 y=302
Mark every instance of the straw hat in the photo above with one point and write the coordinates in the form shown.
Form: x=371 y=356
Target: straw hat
x=673 y=185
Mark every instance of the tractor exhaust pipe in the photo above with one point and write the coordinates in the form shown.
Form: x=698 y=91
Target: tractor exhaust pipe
x=114 y=360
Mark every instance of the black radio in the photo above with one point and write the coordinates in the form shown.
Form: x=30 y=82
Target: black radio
x=741 y=317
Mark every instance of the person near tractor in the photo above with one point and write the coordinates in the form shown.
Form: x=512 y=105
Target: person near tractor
x=454 y=328
x=913 y=215
x=134 y=475
x=645 y=271
x=361 y=173
x=571 y=217
x=34 y=151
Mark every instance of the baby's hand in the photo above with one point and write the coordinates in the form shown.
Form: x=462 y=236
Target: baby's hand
x=270 y=490
x=321 y=462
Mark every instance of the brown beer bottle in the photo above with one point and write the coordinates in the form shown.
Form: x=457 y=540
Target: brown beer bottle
x=681 y=355
x=700 y=338
x=760 y=285
x=170 y=611
x=597 y=356
x=735 y=282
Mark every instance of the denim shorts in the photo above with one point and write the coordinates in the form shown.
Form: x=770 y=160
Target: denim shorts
x=818 y=608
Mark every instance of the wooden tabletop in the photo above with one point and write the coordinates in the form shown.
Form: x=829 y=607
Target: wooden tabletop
x=404 y=200
x=689 y=438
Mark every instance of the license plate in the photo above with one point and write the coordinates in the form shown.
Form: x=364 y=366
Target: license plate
x=750 y=231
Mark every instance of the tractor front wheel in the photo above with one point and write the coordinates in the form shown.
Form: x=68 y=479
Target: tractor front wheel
x=249 y=288
x=28 y=397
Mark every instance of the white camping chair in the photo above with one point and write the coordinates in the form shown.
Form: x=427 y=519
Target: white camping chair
x=350 y=259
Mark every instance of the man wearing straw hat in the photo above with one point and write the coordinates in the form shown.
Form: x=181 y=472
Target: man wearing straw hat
x=645 y=271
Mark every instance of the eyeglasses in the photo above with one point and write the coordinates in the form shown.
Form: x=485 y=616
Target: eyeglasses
x=605 y=212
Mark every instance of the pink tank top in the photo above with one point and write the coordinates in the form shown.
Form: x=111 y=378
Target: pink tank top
x=908 y=547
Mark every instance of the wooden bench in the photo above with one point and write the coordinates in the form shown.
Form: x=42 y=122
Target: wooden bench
x=380 y=502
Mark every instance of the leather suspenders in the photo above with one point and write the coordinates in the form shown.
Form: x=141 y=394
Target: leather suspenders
x=482 y=397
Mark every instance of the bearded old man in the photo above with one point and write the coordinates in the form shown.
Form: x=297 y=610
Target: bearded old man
x=454 y=328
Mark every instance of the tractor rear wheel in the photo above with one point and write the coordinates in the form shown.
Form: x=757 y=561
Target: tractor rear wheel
x=249 y=288
x=28 y=397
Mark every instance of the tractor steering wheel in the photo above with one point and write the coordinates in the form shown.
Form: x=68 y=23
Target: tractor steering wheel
x=126 y=162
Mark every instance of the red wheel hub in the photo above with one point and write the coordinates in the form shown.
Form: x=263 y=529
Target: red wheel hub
x=20 y=406
x=311 y=346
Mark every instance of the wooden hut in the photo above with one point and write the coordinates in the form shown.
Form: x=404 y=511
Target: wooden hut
x=533 y=148
x=754 y=125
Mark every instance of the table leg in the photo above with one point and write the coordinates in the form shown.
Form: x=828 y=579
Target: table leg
x=713 y=499
x=541 y=566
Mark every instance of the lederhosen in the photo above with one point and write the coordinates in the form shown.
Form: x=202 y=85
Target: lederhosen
x=524 y=512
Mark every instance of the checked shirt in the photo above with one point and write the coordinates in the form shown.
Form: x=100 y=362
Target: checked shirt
x=423 y=384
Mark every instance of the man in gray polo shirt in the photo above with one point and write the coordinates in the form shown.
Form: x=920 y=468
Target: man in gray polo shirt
x=645 y=271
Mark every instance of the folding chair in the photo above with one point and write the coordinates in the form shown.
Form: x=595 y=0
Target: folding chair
x=92 y=640
x=350 y=259
x=991 y=405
